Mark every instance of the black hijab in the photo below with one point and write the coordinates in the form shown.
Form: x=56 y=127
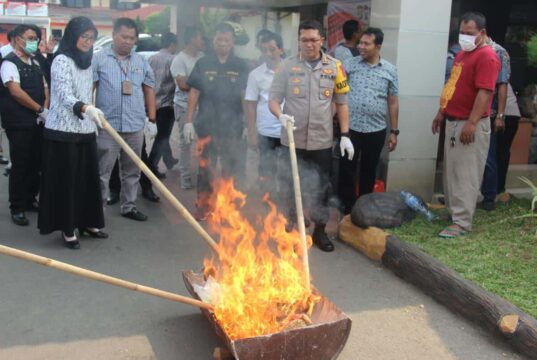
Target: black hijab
x=76 y=27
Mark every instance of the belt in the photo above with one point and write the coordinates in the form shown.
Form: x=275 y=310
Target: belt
x=449 y=118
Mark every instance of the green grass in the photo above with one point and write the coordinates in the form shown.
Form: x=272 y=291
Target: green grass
x=500 y=254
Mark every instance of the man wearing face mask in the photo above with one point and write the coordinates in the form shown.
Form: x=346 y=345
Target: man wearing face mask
x=465 y=105
x=24 y=106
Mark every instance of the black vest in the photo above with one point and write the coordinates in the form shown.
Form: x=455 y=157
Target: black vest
x=14 y=115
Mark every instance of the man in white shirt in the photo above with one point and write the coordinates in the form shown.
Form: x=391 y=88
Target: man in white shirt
x=181 y=68
x=264 y=129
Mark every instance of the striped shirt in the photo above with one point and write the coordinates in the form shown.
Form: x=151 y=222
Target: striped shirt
x=165 y=84
x=125 y=113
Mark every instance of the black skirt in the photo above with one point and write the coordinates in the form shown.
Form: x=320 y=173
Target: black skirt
x=70 y=195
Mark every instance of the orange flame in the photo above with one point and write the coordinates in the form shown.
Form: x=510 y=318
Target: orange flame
x=261 y=274
x=200 y=146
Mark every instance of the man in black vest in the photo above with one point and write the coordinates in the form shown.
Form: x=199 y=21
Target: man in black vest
x=24 y=100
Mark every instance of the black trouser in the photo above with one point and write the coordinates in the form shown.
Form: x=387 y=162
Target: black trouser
x=115 y=182
x=504 y=140
x=25 y=153
x=232 y=154
x=268 y=156
x=367 y=148
x=314 y=167
x=161 y=145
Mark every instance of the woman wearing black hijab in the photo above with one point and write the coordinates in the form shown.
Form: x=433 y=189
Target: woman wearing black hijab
x=70 y=196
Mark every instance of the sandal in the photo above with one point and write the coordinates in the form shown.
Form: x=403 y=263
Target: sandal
x=452 y=231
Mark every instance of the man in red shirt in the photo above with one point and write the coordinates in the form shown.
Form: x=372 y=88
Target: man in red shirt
x=465 y=104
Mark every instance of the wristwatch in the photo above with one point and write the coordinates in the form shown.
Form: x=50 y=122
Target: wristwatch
x=345 y=134
x=40 y=110
x=395 y=132
x=500 y=116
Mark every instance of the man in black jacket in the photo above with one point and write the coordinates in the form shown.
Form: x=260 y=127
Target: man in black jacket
x=24 y=99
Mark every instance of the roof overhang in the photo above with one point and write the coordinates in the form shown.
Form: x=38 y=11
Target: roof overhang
x=242 y=4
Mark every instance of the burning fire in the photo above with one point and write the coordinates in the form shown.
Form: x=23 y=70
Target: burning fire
x=200 y=147
x=260 y=274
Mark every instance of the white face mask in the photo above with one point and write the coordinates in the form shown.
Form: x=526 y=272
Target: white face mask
x=467 y=42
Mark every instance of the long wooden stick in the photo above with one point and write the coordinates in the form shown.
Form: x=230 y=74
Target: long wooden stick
x=298 y=202
x=159 y=185
x=58 y=265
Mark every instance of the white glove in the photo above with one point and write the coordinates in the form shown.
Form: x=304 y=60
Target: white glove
x=345 y=145
x=94 y=115
x=284 y=119
x=42 y=116
x=188 y=132
x=151 y=129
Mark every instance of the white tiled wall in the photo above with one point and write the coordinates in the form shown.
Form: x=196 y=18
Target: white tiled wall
x=416 y=33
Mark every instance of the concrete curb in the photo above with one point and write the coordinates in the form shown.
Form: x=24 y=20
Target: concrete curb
x=445 y=285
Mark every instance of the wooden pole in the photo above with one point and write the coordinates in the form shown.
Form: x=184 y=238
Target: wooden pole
x=298 y=202
x=159 y=185
x=58 y=265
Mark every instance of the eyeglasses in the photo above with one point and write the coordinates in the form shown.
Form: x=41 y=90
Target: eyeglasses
x=309 y=41
x=87 y=38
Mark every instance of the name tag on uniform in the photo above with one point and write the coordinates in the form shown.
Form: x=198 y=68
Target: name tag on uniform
x=126 y=87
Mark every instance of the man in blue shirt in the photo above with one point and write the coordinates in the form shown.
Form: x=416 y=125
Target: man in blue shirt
x=489 y=187
x=124 y=83
x=373 y=97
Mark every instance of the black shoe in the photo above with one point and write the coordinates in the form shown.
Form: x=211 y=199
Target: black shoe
x=442 y=200
x=94 y=234
x=488 y=205
x=150 y=195
x=113 y=198
x=19 y=218
x=320 y=238
x=134 y=214
x=171 y=163
x=71 y=244
x=3 y=160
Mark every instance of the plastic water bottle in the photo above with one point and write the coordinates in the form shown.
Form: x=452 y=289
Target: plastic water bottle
x=417 y=205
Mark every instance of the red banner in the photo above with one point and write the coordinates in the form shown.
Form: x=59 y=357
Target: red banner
x=343 y=10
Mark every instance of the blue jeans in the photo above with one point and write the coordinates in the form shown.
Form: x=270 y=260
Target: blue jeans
x=489 y=187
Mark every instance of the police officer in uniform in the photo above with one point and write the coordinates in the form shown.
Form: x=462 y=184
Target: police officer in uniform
x=24 y=99
x=310 y=84
x=217 y=84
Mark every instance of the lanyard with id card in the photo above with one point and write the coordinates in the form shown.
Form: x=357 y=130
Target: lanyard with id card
x=126 y=85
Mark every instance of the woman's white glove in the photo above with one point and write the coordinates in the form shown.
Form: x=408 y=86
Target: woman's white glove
x=188 y=132
x=94 y=115
x=284 y=119
x=345 y=145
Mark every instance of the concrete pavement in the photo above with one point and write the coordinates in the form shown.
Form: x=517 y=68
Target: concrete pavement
x=47 y=314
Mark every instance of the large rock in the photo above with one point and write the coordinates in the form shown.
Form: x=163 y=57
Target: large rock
x=382 y=210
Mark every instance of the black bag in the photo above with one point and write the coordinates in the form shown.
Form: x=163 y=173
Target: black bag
x=382 y=210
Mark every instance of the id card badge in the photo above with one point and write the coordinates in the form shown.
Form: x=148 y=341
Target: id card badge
x=126 y=87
